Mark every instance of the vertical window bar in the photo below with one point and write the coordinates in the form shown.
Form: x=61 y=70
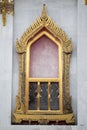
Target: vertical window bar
x=49 y=91
x=58 y=95
x=29 y=96
x=38 y=96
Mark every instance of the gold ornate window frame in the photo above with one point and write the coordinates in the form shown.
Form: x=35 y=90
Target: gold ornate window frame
x=44 y=26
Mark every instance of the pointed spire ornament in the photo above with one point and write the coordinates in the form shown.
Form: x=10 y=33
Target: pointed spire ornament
x=44 y=15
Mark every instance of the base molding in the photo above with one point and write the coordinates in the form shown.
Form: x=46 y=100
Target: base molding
x=44 y=119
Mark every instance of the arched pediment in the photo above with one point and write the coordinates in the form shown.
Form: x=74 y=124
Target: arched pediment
x=44 y=21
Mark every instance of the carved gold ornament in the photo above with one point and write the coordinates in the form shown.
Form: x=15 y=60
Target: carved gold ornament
x=44 y=25
x=85 y=2
x=6 y=7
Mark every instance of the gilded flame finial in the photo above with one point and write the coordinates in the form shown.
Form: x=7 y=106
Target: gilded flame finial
x=85 y=2
x=6 y=7
x=44 y=15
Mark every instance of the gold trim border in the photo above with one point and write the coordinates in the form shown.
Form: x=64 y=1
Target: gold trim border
x=69 y=118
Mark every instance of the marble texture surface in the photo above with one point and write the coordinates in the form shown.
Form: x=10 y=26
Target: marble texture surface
x=81 y=64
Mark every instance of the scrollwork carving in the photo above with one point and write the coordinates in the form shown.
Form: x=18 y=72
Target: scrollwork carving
x=19 y=105
x=67 y=46
x=20 y=48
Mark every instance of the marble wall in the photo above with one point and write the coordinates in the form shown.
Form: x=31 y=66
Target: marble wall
x=71 y=16
x=81 y=64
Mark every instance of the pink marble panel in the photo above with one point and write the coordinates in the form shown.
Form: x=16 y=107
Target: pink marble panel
x=44 y=59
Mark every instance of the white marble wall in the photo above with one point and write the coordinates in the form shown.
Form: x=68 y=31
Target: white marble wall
x=82 y=64
x=6 y=47
x=71 y=16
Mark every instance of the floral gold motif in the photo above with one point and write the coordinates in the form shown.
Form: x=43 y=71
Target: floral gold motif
x=6 y=7
x=85 y=2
